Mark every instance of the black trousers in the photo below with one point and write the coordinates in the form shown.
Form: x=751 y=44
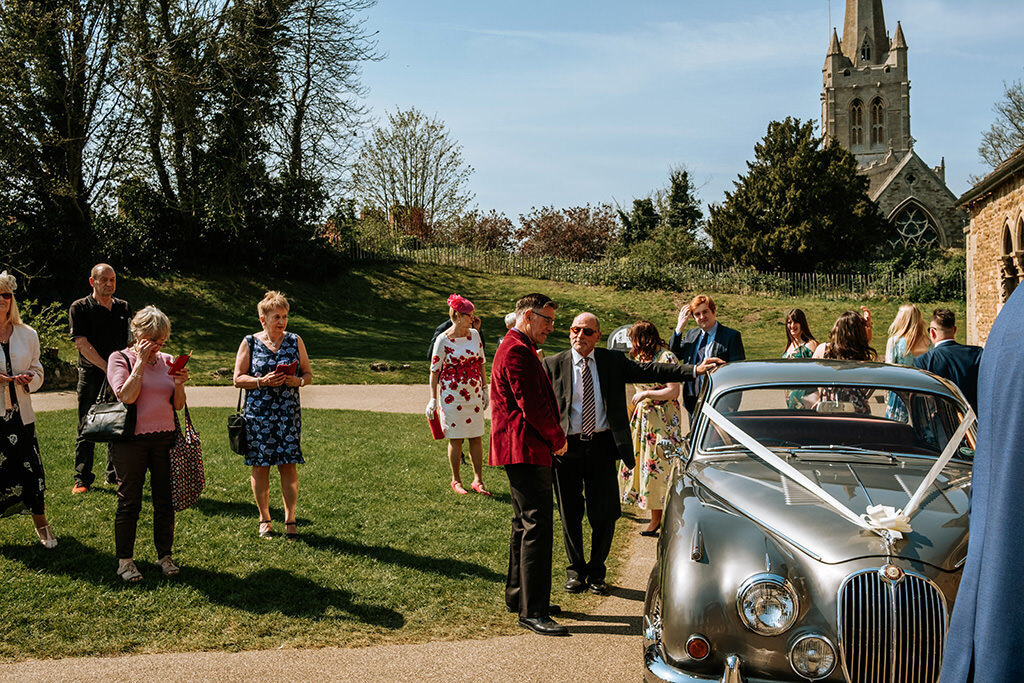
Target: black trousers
x=528 y=587
x=132 y=459
x=90 y=381
x=586 y=480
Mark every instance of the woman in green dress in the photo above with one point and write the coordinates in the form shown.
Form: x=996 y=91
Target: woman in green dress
x=655 y=424
x=800 y=343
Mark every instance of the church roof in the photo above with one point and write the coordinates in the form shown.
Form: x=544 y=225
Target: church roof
x=1012 y=165
x=904 y=162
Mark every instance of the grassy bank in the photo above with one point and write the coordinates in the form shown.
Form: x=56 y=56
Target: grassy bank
x=388 y=553
x=387 y=313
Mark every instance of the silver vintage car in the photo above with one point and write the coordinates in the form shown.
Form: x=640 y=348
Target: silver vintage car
x=812 y=532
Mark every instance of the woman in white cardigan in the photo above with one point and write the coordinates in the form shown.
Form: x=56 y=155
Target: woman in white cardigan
x=21 y=469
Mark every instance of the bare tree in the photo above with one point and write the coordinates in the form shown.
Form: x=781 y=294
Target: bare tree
x=1007 y=132
x=412 y=169
x=321 y=67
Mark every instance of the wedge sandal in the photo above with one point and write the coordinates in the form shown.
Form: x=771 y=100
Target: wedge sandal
x=128 y=572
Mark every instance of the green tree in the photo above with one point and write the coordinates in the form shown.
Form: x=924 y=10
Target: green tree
x=638 y=225
x=577 y=233
x=412 y=169
x=1007 y=132
x=63 y=128
x=800 y=206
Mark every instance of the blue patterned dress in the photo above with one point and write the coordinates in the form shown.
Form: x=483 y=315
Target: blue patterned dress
x=273 y=421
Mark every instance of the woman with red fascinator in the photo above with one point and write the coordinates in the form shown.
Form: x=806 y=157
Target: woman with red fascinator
x=458 y=389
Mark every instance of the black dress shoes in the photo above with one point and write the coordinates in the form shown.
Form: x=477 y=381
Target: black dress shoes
x=545 y=626
x=575 y=586
x=599 y=588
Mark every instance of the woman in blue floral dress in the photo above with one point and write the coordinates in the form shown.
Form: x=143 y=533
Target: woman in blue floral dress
x=272 y=366
x=908 y=339
x=655 y=424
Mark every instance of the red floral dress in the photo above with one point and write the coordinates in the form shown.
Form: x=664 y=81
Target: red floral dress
x=460 y=384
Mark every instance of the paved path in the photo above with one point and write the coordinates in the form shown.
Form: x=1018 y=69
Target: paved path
x=379 y=398
x=603 y=645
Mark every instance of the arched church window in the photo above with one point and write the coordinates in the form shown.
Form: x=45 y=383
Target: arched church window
x=1009 y=274
x=877 y=122
x=914 y=227
x=856 y=123
x=865 y=51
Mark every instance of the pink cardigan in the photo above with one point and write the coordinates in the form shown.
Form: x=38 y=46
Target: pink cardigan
x=154 y=408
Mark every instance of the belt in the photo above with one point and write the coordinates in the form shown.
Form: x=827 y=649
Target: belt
x=589 y=437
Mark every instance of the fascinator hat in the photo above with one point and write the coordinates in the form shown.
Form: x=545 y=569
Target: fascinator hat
x=460 y=304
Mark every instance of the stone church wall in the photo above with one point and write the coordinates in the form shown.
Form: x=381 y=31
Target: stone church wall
x=989 y=217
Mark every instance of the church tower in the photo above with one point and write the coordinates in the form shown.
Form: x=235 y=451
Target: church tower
x=865 y=107
x=865 y=101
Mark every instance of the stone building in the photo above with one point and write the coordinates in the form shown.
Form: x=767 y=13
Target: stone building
x=865 y=107
x=995 y=243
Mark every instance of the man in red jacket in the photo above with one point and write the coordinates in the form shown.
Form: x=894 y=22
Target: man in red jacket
x=525 y=435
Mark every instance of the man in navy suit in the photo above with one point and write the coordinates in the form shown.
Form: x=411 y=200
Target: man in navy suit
x=710 y=339
x=958 y=363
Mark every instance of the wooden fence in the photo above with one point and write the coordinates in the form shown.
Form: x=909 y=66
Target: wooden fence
x=627 y=274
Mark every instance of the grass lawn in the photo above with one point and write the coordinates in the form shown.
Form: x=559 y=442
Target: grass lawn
x=387 y=313
x=387 y=554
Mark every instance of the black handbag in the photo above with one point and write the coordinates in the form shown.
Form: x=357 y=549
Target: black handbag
x=236 y=423
x=236 y=429
x=108 y=419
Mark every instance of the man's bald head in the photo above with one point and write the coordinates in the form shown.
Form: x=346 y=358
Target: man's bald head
x=584 y=333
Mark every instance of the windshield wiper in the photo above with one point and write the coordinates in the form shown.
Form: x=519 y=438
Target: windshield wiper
x=838 y=448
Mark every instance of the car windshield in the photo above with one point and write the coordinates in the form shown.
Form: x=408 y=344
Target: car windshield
x=850 y=419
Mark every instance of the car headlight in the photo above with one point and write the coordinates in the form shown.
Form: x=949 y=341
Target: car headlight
x=812 y=657
x=767 y=604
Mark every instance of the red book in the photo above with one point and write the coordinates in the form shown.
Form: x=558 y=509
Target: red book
x=435 y=426
x=178 y=363
x=288 y=368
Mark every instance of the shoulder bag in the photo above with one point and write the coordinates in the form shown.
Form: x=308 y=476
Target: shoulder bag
x=236 y=423
x=108 y=419
x=187 y=476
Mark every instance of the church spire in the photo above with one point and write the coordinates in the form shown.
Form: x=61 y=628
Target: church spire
x=864 y=38
x=898 y=41
x=833 y=47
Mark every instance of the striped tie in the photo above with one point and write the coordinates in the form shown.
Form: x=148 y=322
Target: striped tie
x=588 y=411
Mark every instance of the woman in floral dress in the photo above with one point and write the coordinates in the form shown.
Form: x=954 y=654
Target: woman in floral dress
x=272 y=366
x=458 y=388
x=656 y=429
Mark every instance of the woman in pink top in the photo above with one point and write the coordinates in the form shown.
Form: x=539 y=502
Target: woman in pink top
x=140 y=376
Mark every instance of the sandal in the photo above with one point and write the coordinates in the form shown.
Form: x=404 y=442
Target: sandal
x=292 y=535
x=167 y=566
x=479 y=488
x=266 y=530
x=459 y=488
x=128 y=572
x=46 y=536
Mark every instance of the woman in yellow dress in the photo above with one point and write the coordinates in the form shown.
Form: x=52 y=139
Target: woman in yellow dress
x=656 y=428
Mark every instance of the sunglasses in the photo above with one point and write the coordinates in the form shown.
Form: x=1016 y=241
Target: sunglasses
x=585 y=331
x=6 y=295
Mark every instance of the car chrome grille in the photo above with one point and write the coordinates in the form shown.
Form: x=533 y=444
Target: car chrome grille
x=891 y=631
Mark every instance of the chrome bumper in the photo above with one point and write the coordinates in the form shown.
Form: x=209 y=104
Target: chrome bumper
x=657 y=670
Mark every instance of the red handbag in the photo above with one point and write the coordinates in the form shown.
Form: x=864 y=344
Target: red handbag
x=435 y=426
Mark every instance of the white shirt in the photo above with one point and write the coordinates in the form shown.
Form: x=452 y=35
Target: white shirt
x=701 y=352
x=576 y=405
x=943 y=341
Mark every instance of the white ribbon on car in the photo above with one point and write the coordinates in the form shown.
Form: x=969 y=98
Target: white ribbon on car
x=883 y=520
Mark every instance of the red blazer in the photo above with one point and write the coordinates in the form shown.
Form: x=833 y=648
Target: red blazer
x=525 y=424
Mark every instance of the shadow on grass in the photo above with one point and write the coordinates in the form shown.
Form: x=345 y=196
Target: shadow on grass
x=262 y=592
x=435 y=565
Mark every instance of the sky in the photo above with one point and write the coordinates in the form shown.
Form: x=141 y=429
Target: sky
x=568 y=102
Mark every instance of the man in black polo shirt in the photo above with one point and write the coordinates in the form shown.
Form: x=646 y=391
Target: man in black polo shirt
x=99 y=327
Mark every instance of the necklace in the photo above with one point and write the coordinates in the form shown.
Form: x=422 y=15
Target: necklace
x=8 y=330
x=271 y=344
